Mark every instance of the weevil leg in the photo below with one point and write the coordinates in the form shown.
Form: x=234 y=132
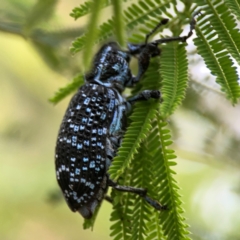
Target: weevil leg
x=139 y=191
x=150 y=50
x=145 y=95
x=135 y=49
x=108 y=199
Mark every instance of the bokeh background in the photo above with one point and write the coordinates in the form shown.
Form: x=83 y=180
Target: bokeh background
x=34 y=62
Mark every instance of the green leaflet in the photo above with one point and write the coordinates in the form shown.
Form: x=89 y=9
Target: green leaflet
x=121 y=215
x=86 y=7
x=234 y=6
x=223 y=22
x=217 y=60
x=142 y=177
x=152 y=169
x=173 y=223
x=143 y=114
x=105 y=30
x=82 y=10
x=174 y=72
x=68 y=89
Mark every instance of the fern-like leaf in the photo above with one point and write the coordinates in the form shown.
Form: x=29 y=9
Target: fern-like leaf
x=142 y=177
x=172 y=221
x=122 y=210
x=86 y=8
x=82 y=10
x=155 y=230
x=65 y=91
x=152 y=169
x=224 y=24
x=234 y=6
x=141 y=15
x=104 y=32
x=174 y=72
x=92 y=32
x=136 y=132
x=217 y=60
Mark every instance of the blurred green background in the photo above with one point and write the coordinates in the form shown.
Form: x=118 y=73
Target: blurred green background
x=34 y=62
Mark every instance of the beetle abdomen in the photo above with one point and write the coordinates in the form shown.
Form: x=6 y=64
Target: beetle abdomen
x=83 y=151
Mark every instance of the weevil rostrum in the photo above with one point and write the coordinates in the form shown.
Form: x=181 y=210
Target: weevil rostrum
x=95 y=122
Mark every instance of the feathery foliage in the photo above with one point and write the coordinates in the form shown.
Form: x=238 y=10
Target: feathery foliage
x=132 y=139
x=172 y=221
x=174 y=76
x=86 y=8
x=224 y=24
x=234 y=6
x=70 y=88
x=144 y=158
x=217 y=60
x=133 y=15
x=91 y=33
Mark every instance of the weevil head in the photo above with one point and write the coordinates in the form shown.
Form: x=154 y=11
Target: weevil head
x=110 y=67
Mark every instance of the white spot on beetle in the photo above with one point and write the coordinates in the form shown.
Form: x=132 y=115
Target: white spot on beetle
x=92 y=164
x=76 y=128
x=104 y=130
x=84 y=120
x=86 y=101
x=83 y=180
x=79 y=146
x=74 y=138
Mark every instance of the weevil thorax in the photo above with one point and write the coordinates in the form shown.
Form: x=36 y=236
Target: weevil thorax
x=110 y=67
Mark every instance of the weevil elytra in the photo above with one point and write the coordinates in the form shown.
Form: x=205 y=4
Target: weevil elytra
x=95 y=122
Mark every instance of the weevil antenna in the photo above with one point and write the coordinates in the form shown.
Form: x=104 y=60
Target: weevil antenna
x=183 y=38
x=162 y=22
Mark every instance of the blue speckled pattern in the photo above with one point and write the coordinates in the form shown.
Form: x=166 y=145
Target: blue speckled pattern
x=91 y=130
